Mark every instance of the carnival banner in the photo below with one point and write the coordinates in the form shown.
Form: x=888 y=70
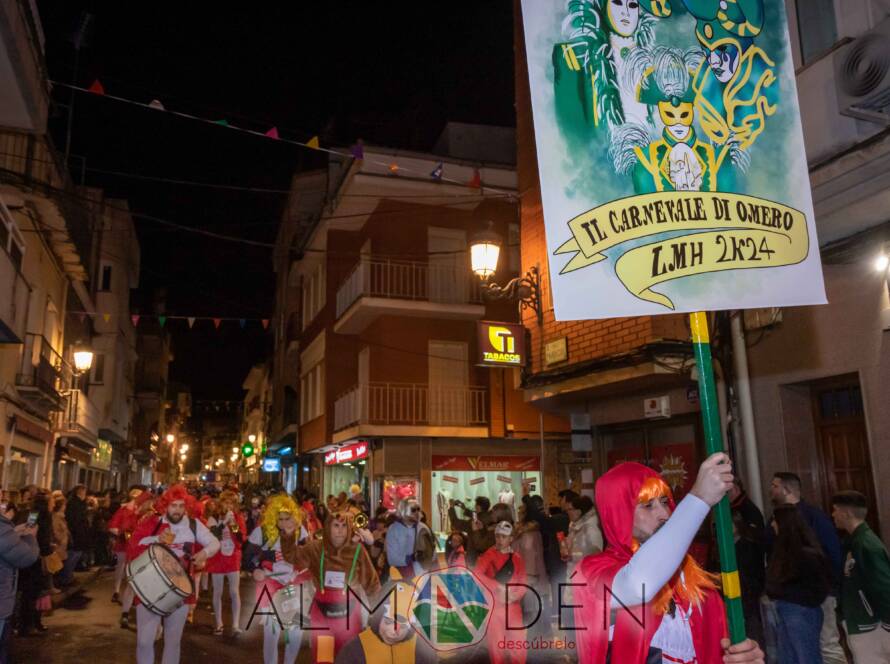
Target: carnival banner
x=671 y=156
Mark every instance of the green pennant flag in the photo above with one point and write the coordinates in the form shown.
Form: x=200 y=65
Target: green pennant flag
x=223 y=122
x=162 y=320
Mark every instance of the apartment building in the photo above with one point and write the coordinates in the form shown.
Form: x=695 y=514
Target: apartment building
x=381 y=345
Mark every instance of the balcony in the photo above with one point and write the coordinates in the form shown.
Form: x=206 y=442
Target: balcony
x=378 y=287
x=80 y=419
x=410 y=409
x=44 y=375
x=25 y=98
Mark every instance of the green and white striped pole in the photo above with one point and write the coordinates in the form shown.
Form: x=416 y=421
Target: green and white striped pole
x=701 y=344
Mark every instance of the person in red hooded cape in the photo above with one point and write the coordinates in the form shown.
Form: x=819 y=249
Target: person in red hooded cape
x=644 y=600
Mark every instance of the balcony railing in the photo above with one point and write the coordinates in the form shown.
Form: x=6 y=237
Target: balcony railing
x=411 y=404
x=43 y=372
x=80 y=418
x=448 y=282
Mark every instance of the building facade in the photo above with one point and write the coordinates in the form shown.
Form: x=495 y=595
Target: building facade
x=392 y=401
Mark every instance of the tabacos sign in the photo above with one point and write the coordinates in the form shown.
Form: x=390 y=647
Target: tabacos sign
x=501 y=344
x=347 y=453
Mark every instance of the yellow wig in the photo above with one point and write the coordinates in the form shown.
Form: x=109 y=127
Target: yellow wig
x=695 y=581
x=276 y=504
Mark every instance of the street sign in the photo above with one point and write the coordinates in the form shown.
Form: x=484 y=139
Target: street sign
x=500 y=344
x=671 y=157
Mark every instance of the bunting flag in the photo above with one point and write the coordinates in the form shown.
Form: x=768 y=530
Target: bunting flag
x=217 y=322
x=356 y=150
x=265 y=323
x=106 y=317
x=476 y=182
x=162 y=320
x=242 y=322
x=191 y=320
x=135 y=320
x=437 y=171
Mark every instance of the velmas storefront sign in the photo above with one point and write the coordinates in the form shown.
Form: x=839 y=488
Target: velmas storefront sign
x=501 y=344
x=348 y=453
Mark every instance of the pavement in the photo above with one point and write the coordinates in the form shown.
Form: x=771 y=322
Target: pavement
x=85 y=628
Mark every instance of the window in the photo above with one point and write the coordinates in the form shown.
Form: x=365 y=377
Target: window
x=106 y=278
x=312 y=402
x=817 y=27
x=313 y=295
x=97 y=371
x=312 y=394
x=10 y=239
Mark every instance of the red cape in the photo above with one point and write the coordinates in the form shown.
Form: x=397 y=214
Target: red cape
x=616 y=496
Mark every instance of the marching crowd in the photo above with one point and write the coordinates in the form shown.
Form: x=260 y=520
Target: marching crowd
x=320 y=564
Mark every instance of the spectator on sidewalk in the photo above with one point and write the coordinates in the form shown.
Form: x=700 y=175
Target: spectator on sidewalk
x=18 y=549
x=479 y=526
x=78 y=525
x=786 y=490
x=34 y=582
x=61 y=537
x=585 y=537
x=865 y=585
x=798 y=579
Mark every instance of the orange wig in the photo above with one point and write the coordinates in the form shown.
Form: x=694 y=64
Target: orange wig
x=691 y=582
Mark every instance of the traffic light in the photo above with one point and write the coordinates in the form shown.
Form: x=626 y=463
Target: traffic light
x=247 y=449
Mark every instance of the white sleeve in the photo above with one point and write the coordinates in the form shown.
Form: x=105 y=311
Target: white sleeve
x=656 y=561
x=206 y=539
x=256 y=537
x=151 y=539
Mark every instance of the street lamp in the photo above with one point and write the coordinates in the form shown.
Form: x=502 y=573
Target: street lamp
x=235 y=450
x=485 y=248
x=882 y=262
x=83 y=358
x=251 y=438
x=170 y=438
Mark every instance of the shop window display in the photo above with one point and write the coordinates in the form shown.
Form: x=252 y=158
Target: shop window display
x=463 y=479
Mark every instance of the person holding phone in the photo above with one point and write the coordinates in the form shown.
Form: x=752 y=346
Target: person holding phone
x=34 y=582
x=18 y=549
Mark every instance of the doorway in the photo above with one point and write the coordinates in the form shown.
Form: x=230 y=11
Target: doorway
x=842 y=439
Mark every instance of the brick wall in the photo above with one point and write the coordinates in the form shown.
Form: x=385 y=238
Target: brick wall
x=588 y=339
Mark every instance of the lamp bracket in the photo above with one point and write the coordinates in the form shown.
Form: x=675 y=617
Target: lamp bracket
x=526 y=290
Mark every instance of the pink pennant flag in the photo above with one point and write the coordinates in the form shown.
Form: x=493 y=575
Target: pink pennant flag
x=217 y=322
x=272 y=133
x=106 y=317
x=157 y=105
x=191 y=321
x=135 y=320
x=265 y=323
x=96 y=88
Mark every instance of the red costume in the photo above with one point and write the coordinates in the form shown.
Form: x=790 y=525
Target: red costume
x=617 y=494
x=124 y=522
x=505 y=612
x=228 y=559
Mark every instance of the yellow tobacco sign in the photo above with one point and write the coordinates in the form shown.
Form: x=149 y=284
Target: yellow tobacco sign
x=691 y=233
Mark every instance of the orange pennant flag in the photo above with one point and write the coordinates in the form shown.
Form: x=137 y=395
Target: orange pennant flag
x=476 y=182
x=313 y=143
x=265 y=323
x=217 y=322
x=106 y=317
x=96 y=88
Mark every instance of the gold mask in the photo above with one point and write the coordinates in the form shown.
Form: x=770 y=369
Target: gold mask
x=671 y=115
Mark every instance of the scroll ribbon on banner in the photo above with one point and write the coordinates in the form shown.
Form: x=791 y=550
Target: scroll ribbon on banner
x=710 y=232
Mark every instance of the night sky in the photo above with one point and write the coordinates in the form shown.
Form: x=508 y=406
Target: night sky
x=390 y=72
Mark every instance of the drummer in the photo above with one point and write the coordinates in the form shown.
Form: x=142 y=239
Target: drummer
x=336 y=562
x=183 y=535
x=280 y=532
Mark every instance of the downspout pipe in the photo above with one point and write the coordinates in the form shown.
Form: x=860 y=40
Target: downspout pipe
x=749 y=434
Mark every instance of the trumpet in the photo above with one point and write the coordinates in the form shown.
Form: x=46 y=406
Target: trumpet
x=360 y=521
x=233 y=527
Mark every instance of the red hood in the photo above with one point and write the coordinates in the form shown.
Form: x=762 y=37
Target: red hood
x=617 y=494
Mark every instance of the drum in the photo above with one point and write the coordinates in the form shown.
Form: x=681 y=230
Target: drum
x=159 y=580
x=292 y=604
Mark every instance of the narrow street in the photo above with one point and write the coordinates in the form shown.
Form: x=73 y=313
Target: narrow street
x=90 y=633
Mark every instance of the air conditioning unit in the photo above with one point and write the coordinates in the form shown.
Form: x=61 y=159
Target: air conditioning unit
x=862 y=76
